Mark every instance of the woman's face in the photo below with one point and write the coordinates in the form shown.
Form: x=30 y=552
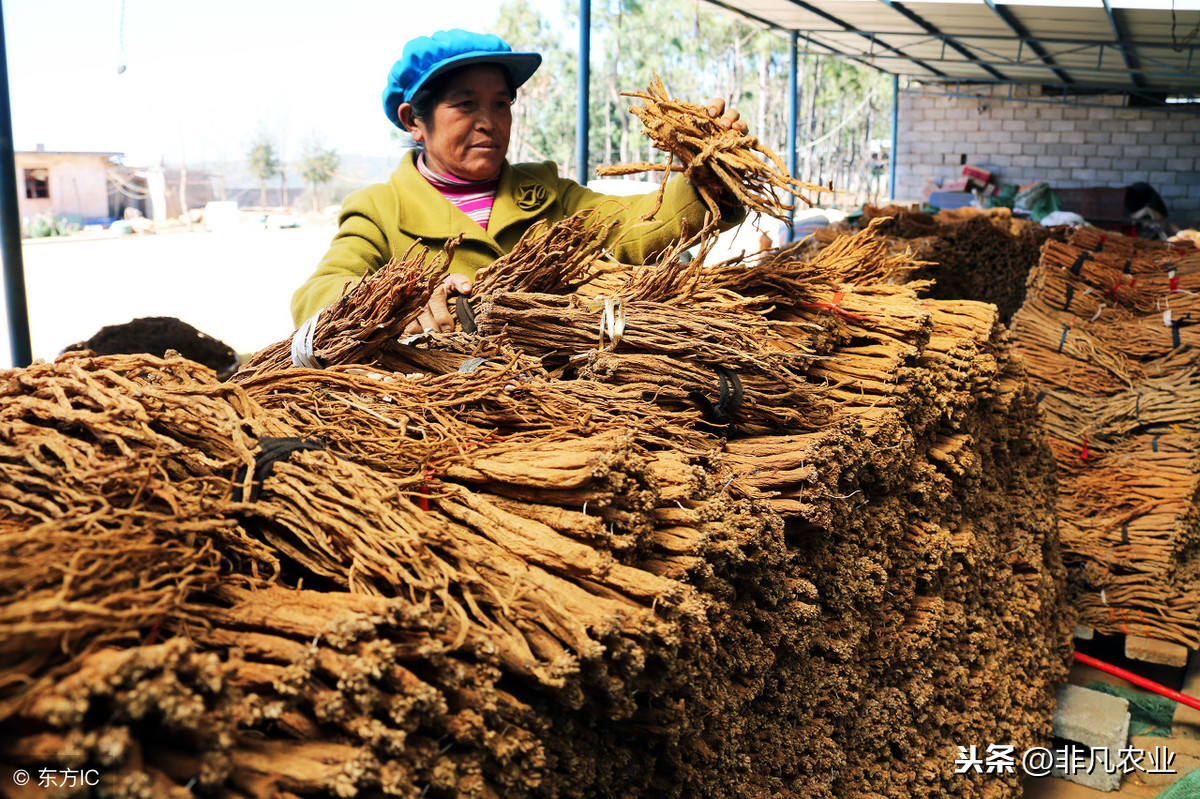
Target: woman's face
x=468 y=134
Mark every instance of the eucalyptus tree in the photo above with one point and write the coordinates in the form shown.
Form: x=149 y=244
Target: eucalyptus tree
x=263 y=162
x=544 y=113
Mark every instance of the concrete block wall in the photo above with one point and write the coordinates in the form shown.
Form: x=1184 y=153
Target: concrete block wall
x=1067 y=146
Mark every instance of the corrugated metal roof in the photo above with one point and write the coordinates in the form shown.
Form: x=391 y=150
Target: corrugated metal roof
x=1141 y=47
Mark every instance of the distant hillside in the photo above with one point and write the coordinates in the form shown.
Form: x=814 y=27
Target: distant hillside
x=367 y=169
x=354 y=172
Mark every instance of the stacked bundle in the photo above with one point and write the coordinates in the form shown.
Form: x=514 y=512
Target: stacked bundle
x=921 y=514
x=121 y=527
x=973 y=254
x=1106 y=336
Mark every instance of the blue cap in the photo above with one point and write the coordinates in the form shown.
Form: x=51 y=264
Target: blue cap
x=427 y=56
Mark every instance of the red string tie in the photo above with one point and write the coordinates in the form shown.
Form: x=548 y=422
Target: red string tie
x=423 y=499
x=837 y=309
x=152 y=636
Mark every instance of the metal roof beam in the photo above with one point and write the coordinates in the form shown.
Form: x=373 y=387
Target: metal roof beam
x=930 y=28
x=1121 y=74
x=970 y=38
x=1016 y=27
x=1131 y=60
x=1149 y=96
x=846 y=26
x=1033 y=49
x=831 y=50
x=1151 y=67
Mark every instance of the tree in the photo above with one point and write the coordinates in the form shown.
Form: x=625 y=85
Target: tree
x=544 y=114
x=317 y=165
x=263 y=162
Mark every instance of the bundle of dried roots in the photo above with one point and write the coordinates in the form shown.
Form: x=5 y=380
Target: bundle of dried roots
x=375 y=310
x=718 y=160
x=550 y=259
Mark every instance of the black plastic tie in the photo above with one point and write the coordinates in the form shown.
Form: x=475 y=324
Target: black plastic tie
x=729 y=397
x=466 y=316
x=270 y=450
x=1077 y=267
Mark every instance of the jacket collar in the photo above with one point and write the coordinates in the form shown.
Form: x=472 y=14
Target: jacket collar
x=425 y=214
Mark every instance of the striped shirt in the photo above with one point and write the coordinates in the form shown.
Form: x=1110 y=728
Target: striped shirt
x=473 y=197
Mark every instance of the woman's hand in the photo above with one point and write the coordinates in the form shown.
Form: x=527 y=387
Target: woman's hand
x=435 y=317
x=729 y=119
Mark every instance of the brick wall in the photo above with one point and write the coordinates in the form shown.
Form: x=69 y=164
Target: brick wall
x=1067 y=146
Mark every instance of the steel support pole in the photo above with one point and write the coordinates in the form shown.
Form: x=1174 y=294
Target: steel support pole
x=793 y=121
x=585 y=73
x=895 y=133
x=10 y=225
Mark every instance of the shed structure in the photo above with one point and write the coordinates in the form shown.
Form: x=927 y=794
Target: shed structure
x=1079 y=93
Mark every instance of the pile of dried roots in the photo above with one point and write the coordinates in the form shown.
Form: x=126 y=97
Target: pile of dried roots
x=1108 y=334
x=666 y=531
x=1105 y=326
x=970 y=253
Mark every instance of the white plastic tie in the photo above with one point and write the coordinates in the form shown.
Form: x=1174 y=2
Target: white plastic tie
x=1167 y=317
x=303 y=355
x=612 y=320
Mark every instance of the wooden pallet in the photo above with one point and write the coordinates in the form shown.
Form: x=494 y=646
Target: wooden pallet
x=1147 y=650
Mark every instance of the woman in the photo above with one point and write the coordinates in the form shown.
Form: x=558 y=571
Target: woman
x=453 y=92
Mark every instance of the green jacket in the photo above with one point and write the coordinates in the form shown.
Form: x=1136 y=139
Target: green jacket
x=387 y=218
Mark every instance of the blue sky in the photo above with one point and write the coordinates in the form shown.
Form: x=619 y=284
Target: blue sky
x=201 y=76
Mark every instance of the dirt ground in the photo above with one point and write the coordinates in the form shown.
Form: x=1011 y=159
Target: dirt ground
x=234 y=285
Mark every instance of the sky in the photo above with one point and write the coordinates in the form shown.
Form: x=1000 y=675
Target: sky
x=200 y=78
